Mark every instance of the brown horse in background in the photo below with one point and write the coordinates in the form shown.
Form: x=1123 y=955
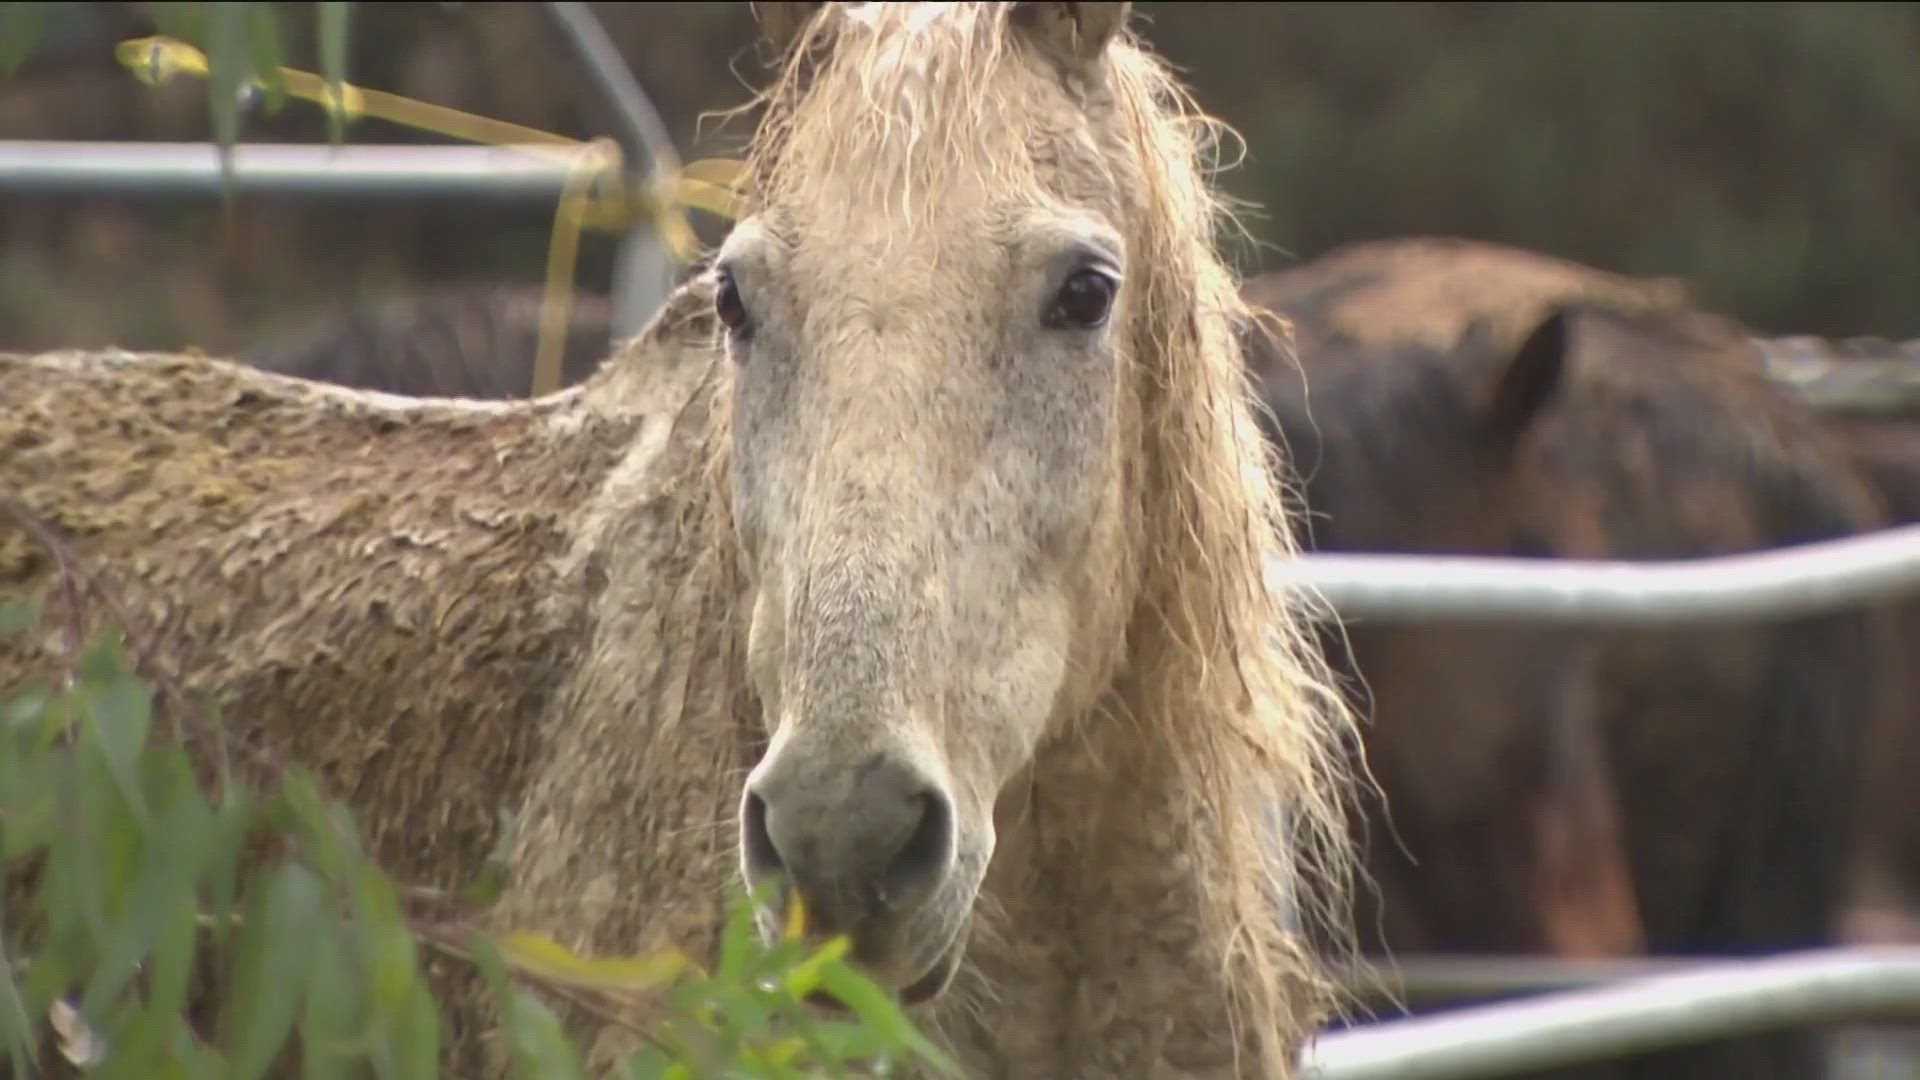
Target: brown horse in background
x=1868 y=417
x=1865 y=386
x=1457 y=397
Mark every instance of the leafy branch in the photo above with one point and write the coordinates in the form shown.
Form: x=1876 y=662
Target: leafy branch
x=241 y=42
x=152 y=928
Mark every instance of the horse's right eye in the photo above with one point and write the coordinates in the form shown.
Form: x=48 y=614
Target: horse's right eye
x=1084 y=301
x=728 y=305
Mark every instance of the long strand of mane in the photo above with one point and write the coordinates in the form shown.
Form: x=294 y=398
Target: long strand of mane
x=1240 y=689
x=1221 y=676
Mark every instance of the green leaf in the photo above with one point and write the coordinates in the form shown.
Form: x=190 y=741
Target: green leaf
x=184 y=20
x=801 y=978
x=276 y=945
x=540 y=955
x=25 y=708
x=331 y=1022
x=16 y=1023
x=27 y=793
x=331 y=18
x=209 y=709
x=876 y=1009
x=374 y=900
x=490 y=882
x=164 y=886
x=171 y=974
x=120 y=715
x=81 y=871
x=16 y=616
x=845 y=1041
x=233 y=819
x=651 y=1063
x=103 y=660
x=535 y=1041
x=226 y=70
x=21 y=25
x=394 y=971
x=743 y=1015
x=46 y=980
x=540 y=1045
x=29 y=801
x=53 y=720
x=263 y=35
x=738 y=940
x=486 y=957
x=198 y=1060
x=416 y=1041
x=485 y=887
x=167 y=982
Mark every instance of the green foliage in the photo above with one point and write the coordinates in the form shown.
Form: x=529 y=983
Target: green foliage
x=242 y=44
x=333 y=17
x=20 y=28
x=134 y=889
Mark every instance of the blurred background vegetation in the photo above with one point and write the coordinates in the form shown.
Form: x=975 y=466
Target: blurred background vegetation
x=1770 y=153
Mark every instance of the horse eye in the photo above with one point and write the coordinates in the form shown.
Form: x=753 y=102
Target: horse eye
x=728 y=305
x=1083 y=302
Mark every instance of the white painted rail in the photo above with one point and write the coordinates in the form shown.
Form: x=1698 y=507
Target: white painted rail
x=1730 y=998
x=1805 y=579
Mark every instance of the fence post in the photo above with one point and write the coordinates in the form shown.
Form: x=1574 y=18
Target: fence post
x=644 y=267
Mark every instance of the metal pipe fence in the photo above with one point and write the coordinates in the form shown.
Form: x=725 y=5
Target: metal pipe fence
x=644 y=266
x=1785 y=582
x=1779 y=583
x=643 y=272
x=92 y=169
x=1799 y=990
x=1440 y=977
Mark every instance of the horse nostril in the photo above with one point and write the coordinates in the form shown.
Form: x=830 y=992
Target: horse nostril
x=763 y=857
x=918 y=867
x=869 y=843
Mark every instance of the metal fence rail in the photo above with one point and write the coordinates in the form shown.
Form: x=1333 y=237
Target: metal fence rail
x=1804 y=989
x=1791 y=581
x=1441 y=977
x=283 y=169
x=644 y=267
x=643 y=272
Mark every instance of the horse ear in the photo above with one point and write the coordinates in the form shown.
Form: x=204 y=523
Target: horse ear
x=1527 y=382
x=1077 y=33
x=782 y=22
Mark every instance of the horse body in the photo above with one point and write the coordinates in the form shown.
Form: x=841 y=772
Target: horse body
x=1888 y=452
x=378 y=586
x=1563 y=789
x=1885 y=447
x=914 y=554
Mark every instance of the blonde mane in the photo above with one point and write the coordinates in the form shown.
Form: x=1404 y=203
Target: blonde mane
x=1221 y=681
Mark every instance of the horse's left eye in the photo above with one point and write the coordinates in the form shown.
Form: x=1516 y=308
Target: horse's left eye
x=1083 y=302
x=728 y=305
